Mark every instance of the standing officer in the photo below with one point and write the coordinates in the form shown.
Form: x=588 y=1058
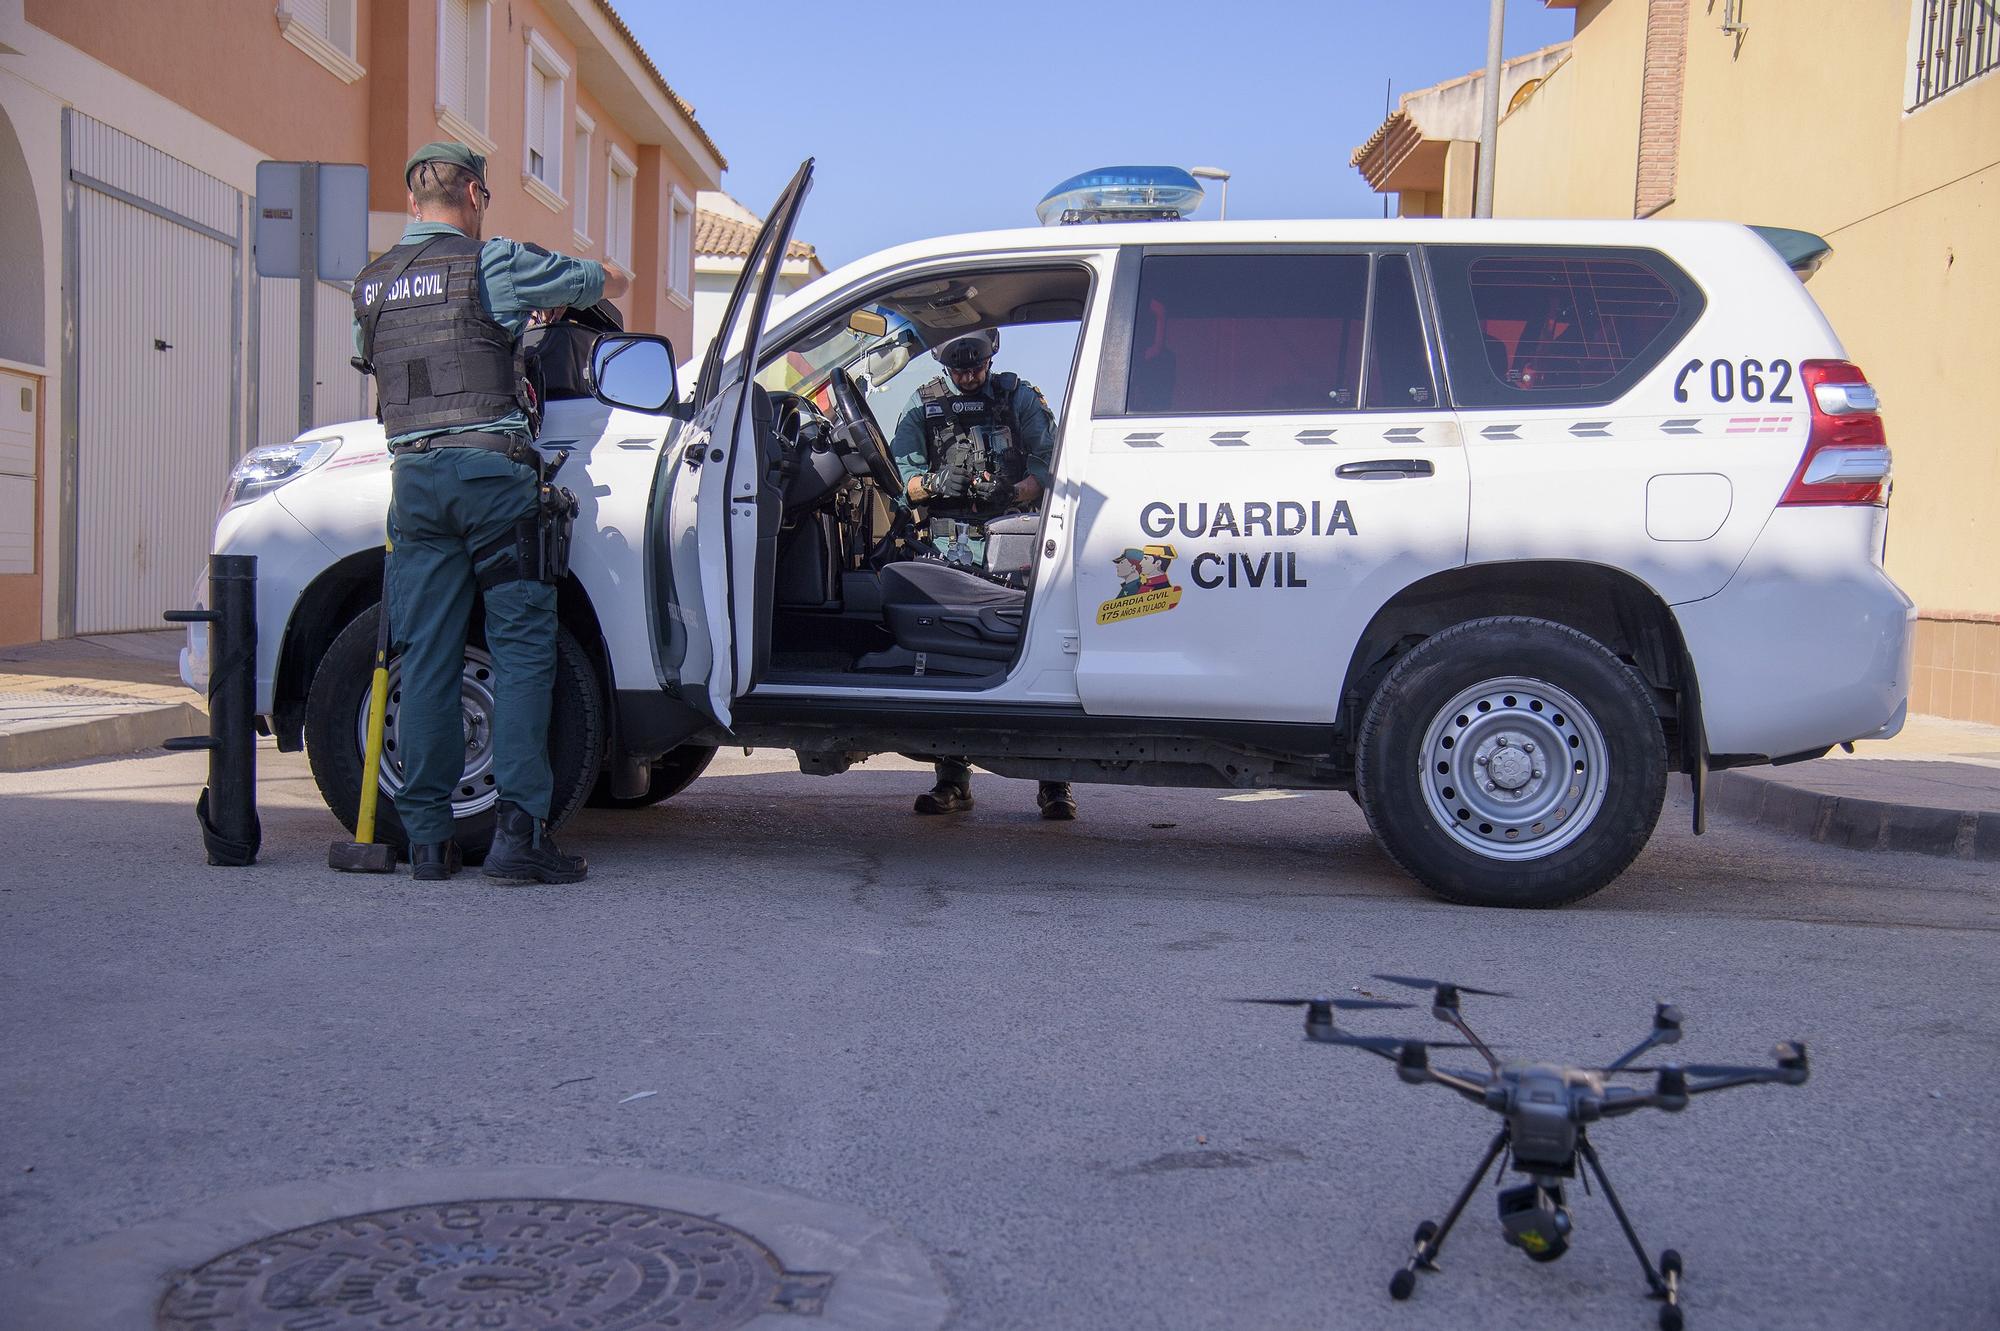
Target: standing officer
x=438 y=323
x=972 y=450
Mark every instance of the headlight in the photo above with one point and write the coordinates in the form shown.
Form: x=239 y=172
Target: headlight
x=264 y=469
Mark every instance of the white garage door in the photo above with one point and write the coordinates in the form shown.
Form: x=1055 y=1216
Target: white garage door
x=156 y=279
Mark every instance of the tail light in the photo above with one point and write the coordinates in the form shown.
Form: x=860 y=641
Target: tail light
x=1847 y=455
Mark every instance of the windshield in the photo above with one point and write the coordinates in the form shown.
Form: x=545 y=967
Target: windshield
x=840 y=345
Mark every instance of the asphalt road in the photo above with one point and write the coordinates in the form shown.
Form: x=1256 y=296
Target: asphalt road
x=1006 y=1037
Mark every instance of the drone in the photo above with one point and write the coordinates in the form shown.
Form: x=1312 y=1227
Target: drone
x=1545 y=1110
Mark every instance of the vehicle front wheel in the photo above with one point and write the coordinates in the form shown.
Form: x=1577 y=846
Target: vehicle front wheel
x=672 y=774
x=337 y=729
x=1511 y=762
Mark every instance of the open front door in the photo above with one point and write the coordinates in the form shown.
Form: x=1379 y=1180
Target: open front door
x=714 y=527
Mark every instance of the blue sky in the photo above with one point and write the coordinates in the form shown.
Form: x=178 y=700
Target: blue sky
x=923 y=124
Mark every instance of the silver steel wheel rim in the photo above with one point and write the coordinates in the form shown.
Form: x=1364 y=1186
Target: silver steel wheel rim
x=476 y=790
x=1514 y=768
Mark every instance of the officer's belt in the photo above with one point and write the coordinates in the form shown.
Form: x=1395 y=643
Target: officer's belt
x=516 y=447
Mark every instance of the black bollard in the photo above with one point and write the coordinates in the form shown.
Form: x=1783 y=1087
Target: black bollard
x=227 y=809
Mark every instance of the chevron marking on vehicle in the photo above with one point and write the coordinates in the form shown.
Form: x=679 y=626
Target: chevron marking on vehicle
x=1230 y=439
x=1691 y=425
x=1314 y=436
x=1501 y=432
x=1144 y=440
x=1591 y=429
x=1758 y=424
x=1403 y=434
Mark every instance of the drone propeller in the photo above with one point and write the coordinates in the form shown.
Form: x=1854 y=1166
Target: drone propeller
x=1418 y=982
x=1344 y=1004
x=1384 y=1044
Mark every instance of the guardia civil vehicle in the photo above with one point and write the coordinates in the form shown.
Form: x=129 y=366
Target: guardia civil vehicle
x=1494 y=524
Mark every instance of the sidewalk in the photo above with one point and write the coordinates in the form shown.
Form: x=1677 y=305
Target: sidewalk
x=93 y=697
x=1934 y=789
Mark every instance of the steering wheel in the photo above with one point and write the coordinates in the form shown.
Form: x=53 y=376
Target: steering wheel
x=862 y=436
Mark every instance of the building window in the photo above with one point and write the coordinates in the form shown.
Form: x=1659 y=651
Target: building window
x=324 y=30
x=1952 y=42
x=580 y=185
x=465 y=47
x=680 y=244
x=542 y=142
x=618 y=210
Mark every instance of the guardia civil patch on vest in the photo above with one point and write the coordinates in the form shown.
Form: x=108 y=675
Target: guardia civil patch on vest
x=420 y=286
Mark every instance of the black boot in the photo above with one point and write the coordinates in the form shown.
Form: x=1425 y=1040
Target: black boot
x=434 y=861
x=945 y=797
x=1057 y=804
x=524 y=851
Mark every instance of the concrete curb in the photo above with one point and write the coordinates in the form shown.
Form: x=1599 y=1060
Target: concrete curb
x=99 y=736
x=1855 y=824
x=882 y=1280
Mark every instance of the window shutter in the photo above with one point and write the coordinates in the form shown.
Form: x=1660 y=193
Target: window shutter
x=538 y=93
x=314 y=14
x=454 y=54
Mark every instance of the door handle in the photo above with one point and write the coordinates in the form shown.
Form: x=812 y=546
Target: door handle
x=1384 y=469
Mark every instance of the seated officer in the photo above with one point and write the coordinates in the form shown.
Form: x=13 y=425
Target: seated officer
x=972 y=450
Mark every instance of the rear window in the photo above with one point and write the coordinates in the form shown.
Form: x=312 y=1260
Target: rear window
x=1247 y=333
x=1539 y=326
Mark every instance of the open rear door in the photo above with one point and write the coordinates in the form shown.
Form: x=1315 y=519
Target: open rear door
x=715 y=518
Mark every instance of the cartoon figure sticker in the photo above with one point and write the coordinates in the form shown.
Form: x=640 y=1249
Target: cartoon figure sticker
x=1143 y=587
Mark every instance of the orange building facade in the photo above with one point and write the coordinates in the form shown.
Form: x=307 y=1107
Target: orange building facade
x=130 y=132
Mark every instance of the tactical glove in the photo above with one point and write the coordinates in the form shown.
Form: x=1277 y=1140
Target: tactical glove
x=993 y=491
x=951 y=479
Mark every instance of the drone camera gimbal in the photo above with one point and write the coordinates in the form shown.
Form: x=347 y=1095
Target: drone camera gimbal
x=1546 y=1110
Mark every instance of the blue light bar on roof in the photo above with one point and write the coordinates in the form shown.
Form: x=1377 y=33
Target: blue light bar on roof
x=1121 y=194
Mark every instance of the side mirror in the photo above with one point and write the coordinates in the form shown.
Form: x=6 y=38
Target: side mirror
x=635 y=371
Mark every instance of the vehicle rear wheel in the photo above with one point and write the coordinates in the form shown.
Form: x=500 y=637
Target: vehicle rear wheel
x=337 y=729
x=672 y=774
x=1511 y=762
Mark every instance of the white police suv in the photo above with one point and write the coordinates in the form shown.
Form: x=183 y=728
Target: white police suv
x=1494 y=524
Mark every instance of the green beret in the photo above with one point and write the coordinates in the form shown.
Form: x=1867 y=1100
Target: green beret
x=450 y=151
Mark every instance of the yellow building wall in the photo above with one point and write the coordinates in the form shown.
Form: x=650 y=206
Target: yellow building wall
x=1570 y=150
x=1800 y=122
x=1804 y=126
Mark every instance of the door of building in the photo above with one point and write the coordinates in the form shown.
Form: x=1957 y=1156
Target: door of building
x=155 y=294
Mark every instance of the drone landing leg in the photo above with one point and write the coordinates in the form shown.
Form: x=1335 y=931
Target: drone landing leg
x=1430 y=1238
x=1667 y=1288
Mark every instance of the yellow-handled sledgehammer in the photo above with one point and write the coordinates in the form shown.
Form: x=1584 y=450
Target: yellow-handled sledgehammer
x=364 y=854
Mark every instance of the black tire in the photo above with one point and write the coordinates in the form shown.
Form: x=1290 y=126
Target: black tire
x=672 y=774
x=339 y=695
x=1549 y=683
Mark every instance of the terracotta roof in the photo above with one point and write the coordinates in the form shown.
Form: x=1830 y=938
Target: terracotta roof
x=646 y=60
x=722 y=237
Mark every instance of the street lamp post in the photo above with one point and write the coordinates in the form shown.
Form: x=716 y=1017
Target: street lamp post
x=1215 y=173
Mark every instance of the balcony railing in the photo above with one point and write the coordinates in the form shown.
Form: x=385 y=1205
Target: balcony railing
x=1957 y=41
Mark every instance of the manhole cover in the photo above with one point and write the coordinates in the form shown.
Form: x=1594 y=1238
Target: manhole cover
x=504 y=1265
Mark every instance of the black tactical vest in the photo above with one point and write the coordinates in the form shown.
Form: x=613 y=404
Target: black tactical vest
x=984 y=423
x=440 y=360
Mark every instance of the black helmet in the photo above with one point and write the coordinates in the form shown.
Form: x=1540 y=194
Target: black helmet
x=968 y=350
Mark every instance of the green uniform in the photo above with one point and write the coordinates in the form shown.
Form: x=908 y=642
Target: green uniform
x=1034 y=436
x=446 y=504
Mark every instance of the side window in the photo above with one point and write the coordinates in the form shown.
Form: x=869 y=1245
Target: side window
x=1399 y=366
x=1531 y=327
x=1242 y=333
